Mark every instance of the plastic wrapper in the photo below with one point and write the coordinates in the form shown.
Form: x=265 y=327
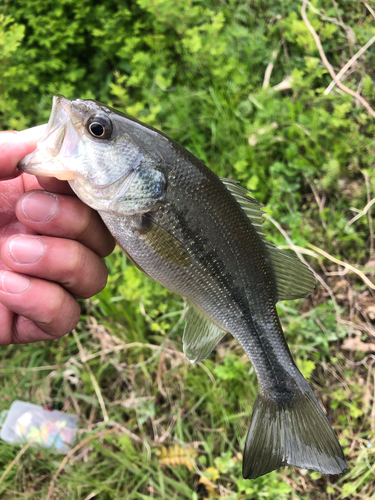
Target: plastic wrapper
x=49 y=428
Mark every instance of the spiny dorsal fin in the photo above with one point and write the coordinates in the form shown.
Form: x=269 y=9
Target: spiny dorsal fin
x=294 y=280
x=249 y=205
x=201 y=335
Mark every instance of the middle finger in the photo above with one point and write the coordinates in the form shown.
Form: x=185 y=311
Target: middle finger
x=83 y=273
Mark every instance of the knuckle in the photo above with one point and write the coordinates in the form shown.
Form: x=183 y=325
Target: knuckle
x=73 y=318
x=94 y=283
x=57 y=307
x=86 y=273
x=74 y=272
x=86 y=220
x=53 y=307
x=61 y=313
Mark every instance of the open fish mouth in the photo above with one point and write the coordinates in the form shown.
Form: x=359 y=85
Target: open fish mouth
x=70 y=151
x=56 y=147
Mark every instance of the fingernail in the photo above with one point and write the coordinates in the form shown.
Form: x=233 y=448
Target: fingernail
x=40 y=206
x=26 y=249
x=13 y=283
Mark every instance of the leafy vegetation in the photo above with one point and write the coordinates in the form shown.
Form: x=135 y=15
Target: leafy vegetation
x=152 y=425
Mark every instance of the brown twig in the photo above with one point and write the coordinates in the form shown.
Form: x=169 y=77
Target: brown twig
x=348 y=64
x=369 y=201
x=361 y=213
x=343 y=87
x=125 y=346
x=344 y=26
x=268 y=72
x=344 y=264
x=319 y=202
x=298 y=250
x=15 y=460
x=92 y=377
x=29 y=369
x=70 y=454
x=126 y=431
x=369 y=9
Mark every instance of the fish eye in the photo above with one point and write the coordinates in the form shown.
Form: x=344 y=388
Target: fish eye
x=99 y=127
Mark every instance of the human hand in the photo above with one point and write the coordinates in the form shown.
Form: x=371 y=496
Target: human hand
x=51 y=249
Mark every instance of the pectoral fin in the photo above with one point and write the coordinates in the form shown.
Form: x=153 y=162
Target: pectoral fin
x=163 y=243
x=201 y=335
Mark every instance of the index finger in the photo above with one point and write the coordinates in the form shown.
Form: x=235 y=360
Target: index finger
x=14 y=146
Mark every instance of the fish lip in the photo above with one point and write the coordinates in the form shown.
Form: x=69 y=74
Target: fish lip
x=58 y=120
x=46 y=155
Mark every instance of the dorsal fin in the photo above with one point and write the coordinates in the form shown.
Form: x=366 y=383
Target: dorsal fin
x=200 y=335
x=249 y=205
x=294 y=279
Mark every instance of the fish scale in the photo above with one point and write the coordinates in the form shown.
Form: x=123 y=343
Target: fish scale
x=201 y=237
x=206 y=214
x=243 y=273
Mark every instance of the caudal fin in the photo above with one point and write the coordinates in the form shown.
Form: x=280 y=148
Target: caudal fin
x=296 y=433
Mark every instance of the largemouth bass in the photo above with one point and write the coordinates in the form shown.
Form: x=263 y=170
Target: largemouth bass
x=201 y=237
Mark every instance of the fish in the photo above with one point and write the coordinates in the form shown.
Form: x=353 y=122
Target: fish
x=202 y=237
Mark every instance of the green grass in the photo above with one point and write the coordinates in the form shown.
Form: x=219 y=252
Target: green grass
x=151 y=425
x=172 y=423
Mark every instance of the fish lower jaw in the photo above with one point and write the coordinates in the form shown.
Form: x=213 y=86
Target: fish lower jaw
x=61 y=176
x=53 y=167
x=64 y=176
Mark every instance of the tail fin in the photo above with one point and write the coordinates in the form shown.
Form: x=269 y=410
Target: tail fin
x=295 y=433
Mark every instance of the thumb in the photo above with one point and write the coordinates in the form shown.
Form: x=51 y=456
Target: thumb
x=14 y=146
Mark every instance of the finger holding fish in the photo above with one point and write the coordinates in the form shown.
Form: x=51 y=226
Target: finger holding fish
x=37 y=255
x=14 y=146
x=24 y=317
x=38 y=295
x=55 y=186
x=64 y=216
